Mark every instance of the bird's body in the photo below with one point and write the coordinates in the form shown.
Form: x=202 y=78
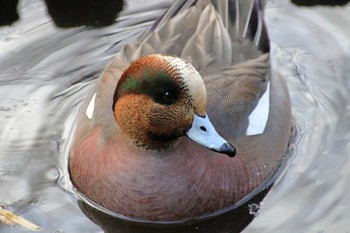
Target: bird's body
x=130 y=154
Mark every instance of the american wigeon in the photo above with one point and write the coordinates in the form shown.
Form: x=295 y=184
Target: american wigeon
x=150 y=141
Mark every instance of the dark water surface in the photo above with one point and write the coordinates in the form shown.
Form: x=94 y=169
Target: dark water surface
x=45 y=73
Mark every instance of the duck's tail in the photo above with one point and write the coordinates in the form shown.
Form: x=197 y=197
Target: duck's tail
x=243 y=19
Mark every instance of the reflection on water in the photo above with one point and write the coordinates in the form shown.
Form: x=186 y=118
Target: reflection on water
x=320 y=2
x=72 y=13
x=69 y=13
x=8 y=12
x=232 y=221
x=45 y=73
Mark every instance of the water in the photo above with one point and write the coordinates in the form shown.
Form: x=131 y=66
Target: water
x=45 y=73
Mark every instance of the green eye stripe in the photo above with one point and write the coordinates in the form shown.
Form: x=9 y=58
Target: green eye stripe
x=130 y=84
x=151 y=81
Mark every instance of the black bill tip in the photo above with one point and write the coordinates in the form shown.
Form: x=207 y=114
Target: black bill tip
x=227 y=149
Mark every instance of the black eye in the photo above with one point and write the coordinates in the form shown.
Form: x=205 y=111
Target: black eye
x=168 y=97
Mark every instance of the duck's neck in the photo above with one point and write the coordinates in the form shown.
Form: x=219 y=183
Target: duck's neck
x=150 y=141
x=161 y=142
x=140 y=133
x=146 y=128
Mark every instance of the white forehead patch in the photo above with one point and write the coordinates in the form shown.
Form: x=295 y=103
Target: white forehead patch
x=192 y=78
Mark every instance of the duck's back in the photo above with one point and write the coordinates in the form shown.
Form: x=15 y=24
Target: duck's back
x=226 y=43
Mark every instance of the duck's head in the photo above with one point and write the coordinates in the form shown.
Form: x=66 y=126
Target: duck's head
x=160 y=98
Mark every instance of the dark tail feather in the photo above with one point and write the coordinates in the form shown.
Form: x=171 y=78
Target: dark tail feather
x=246 y=20
x=243 y=19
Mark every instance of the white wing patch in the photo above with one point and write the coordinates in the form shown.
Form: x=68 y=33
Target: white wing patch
x=258 y=118
x=91 y=107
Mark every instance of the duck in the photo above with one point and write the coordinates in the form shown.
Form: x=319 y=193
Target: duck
x=187 y=120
